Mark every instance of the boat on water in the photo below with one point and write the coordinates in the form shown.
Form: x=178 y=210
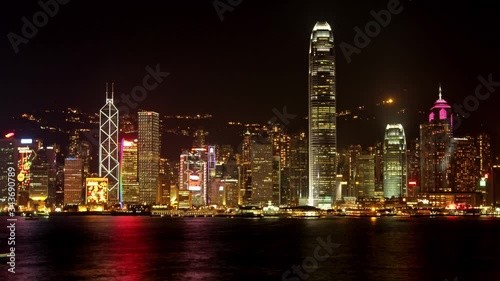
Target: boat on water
x=31 y=216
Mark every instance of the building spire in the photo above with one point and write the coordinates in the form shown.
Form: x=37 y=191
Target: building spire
x=106 y=90
x=113 y=91
x=440 y=92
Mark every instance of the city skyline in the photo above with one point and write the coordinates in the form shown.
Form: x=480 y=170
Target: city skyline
x=250 y=140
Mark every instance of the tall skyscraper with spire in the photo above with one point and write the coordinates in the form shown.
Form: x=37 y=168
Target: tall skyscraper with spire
x=109 y=165
x=436 y=148
x=322 y=117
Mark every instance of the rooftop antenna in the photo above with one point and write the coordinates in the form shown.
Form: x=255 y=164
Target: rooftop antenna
x=106 y=90
x=440 y=92
x=113 y=91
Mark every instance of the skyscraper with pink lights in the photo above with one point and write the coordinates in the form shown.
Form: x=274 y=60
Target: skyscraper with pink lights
x=436 y=148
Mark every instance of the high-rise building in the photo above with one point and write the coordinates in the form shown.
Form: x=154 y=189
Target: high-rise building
x=51 y=153
x=493 y=187
x=148 y=148
x=351 y=170
x=193 y=175
x=129 y=172
x=262 y=173
x=414 y=167
x=8 y=159
x=27 y=154
x=73 y=181
x=246 y=169
x=299 y=172
x=395 y=162
x=435 y=148
x=483 y=142
x=230 y=181
x=379 y=169
x=322 y=117
x=39 y=182
x=464 y=176
x=281 y=164
x=109 y=165
x=164 y=182
x=365 y=175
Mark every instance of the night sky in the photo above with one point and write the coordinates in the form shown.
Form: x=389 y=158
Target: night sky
x=255 y=60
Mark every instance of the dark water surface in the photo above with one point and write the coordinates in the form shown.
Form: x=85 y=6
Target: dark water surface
x=146 y=248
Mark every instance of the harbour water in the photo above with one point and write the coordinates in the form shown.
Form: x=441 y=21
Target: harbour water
x=219 y=249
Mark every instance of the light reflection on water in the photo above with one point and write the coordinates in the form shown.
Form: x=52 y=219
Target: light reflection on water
x=145 y=248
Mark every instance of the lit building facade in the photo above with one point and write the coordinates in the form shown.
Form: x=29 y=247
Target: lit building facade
x=464 y=176
x=395 y=162
x=299 y=171
x=483 y=143
x=26 y=155
x=246 y=169
x=262 y=173
x=322 y=117
x=73 y=181
x=436 y=148
x=129 y=172
x=43 y=172
x=193 y=175
x=414 y=167
x=365 y=176
x=165 y=178
x=8 y=158
x=148 y=149
x=96 y=191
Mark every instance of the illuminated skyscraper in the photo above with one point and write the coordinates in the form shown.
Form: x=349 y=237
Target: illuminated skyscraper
x=351 y=170
x=148 y=156
x=435 y=148
x=322 y=117
x=165 y=177
x=464 y=174
x=109 y=165
x=8 y=158
x=73 y=181
x=27 y=153
x=42 y=175
x=246 y=169
x=129 y=172
x=262 y=173
x=299 y=191
x=193 y=175
x=413 y=167
x=395 y=162
x=365 y=175
x=485 y=158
